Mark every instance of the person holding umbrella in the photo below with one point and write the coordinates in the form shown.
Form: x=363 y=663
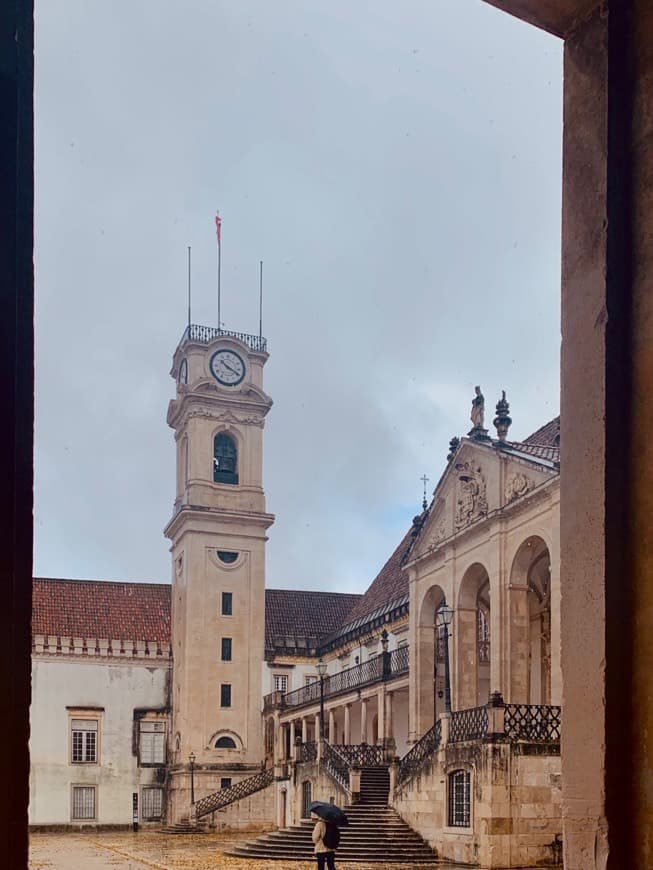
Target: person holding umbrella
x=326 y=836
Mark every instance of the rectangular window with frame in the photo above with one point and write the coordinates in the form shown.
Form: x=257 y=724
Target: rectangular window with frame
x=152 y=801
x=225 y=782
x=226 y=649
x=83 y=802
x=227 y=604
x=280 y=683
x=152 y=743
x=225 y=695
x=459 y=799
x=84 y=741
x=309 y=679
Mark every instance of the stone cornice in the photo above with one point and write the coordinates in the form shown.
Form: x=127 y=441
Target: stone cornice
x=188 y=513
x=102 y=650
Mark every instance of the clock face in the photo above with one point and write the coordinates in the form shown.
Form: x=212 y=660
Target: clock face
x=227 y=367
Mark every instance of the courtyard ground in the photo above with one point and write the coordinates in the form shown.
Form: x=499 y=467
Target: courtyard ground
x=145 y=850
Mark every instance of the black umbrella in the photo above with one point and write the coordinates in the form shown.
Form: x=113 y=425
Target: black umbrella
x=330 y=813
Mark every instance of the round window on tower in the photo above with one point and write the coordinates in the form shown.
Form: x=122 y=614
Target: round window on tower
x=227 y=557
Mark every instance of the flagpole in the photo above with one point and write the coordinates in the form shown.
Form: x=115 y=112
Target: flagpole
x=260 y=305
x=189 y=291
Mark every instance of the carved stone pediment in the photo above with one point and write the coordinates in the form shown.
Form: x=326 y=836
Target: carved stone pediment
x=471 y=493
x=518 y=484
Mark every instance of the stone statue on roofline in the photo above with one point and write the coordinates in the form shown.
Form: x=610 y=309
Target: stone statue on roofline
x=477 y=416
x=478 y=409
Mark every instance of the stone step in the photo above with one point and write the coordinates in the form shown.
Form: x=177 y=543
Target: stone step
x=374 y=834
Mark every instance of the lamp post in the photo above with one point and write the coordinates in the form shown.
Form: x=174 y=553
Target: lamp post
x=191 y=760
x=321 y=668
x=443 y=619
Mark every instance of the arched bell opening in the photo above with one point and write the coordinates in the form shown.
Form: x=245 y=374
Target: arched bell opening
x=225 y=459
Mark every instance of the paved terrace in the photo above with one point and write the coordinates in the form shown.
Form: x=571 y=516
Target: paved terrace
x=144 y=851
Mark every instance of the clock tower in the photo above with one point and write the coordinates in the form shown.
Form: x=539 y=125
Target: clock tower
x=218 y=534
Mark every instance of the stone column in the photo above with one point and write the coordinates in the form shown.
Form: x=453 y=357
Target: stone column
x=317 y=727
x=347 y=734
x=332 y=726
x=363 y=720
x=292 y=737
x=381 y=715
x=389 y=725
x=519 y=633
x=304 y=729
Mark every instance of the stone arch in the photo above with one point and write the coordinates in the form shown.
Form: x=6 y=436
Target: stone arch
x=530 y=623
x=472 y=631
x=428 y=676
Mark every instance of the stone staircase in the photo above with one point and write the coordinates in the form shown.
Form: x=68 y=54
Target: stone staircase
x=376 y=834
x=375 y=785
x=184 y=826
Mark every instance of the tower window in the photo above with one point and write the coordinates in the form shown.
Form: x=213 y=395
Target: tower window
x=227 y=557
x=225 y=695
x=226 y=649
x=225 y=743
x=227 y=604
x=225 y=459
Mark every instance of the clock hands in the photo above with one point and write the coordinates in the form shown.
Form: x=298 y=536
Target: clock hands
x=231 y=369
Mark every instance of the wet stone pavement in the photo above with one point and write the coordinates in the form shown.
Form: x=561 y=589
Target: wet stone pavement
x=145 y=850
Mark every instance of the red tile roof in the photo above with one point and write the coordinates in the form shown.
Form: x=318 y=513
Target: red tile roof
x=101 y=609
x=298 y=613
x=547 y=435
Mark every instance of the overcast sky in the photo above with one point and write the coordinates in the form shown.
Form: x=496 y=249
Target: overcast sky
x=397 y=168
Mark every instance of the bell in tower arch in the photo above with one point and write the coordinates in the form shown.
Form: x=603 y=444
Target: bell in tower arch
x=225 y=459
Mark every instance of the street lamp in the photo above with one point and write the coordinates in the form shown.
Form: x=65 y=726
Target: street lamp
x=191 y=759
x=443 y=618
x=321 y=668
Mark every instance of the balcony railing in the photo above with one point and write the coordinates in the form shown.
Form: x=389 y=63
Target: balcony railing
x=195 y=332
x=471 y=724
x=336 y=765
x=384 y=667
x=536 y=723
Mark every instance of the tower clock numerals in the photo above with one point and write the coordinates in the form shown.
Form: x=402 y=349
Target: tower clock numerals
x=227 y=367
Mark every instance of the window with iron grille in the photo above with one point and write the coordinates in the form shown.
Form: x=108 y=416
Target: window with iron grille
x=84 y=741
x=152 y=801
x=225 y=695
x=83 y=802
x=309 y=679
x=459 y=799
x=227 y=603
x=226 y=649
x=225 y=782
x=152 y=743
x=280 y=683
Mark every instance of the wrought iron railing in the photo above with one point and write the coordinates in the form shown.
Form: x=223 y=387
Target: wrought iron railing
x=419 y=755
x=236 y=792
x=336 y=765
x=308 y=751
x=399 y=661
x=383 y=667
x=534 y=722
x=195 y=332
x=471 y=724
x=363 y=755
